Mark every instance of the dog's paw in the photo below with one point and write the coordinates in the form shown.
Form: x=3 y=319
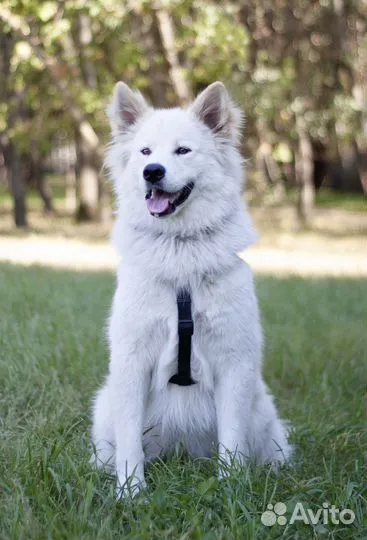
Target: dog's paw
x=228 y=462
x=103 y=456
x=130 y=489
x=97 y=463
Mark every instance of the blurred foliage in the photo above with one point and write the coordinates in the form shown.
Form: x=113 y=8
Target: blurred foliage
x=281 y=60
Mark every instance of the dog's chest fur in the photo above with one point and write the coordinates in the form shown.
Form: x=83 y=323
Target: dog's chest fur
x=223 y=304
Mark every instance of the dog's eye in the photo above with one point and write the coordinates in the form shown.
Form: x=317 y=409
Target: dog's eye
x=181 y=150
x=146 y=151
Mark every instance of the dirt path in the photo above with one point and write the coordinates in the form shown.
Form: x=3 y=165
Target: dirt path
x=304 y=256
x=337 y=245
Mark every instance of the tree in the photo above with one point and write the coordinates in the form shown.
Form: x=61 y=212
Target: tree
x=15 y=112
x=298 y=69
x=90 y=148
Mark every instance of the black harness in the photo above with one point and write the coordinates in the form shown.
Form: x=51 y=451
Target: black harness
x=185 y=331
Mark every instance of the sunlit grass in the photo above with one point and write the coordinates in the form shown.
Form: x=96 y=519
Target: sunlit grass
x=53 y=356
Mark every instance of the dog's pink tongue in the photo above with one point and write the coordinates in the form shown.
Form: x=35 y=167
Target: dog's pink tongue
x=158 y=202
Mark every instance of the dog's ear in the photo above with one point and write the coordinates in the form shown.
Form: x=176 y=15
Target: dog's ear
x=215 y=108
x=126 y=107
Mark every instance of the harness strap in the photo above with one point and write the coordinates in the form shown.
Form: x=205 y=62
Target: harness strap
x=185 y=331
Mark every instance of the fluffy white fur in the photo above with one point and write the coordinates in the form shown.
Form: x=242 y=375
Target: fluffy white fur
x=137 y=414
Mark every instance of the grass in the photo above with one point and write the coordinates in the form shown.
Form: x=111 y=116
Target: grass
x=354 y=202
x=53 y=357
x=55 y=181
x=325 y=198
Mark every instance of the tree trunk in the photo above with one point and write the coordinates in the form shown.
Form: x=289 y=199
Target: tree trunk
x=85 y=39
x=17 y=186
x=269 y=169
x=12 y=160
x=177 y=76
x=304 y=171
x=87 y=182
x=39 y=180
x=45 y=193
x=70 y=191
x=15 y=162
x=361 y=161
x=145 y=30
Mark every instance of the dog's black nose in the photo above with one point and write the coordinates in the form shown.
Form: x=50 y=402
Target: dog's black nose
x=154 y=172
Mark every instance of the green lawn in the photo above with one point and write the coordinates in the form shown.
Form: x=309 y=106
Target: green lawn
x=53 y=356
x=325 y=198
x=355 y=202
x=56 y=182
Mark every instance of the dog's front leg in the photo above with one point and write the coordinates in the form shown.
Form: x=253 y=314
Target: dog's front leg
x=233 y=402
x=130 y=387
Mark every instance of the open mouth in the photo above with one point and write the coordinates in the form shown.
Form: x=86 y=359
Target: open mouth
x=162 y=203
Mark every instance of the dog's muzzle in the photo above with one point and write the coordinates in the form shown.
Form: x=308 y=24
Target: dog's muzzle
x=162 y=203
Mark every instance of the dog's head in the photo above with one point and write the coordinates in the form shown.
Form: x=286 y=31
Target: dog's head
x=172 y=160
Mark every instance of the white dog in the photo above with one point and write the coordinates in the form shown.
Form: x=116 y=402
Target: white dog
x=181 y=221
